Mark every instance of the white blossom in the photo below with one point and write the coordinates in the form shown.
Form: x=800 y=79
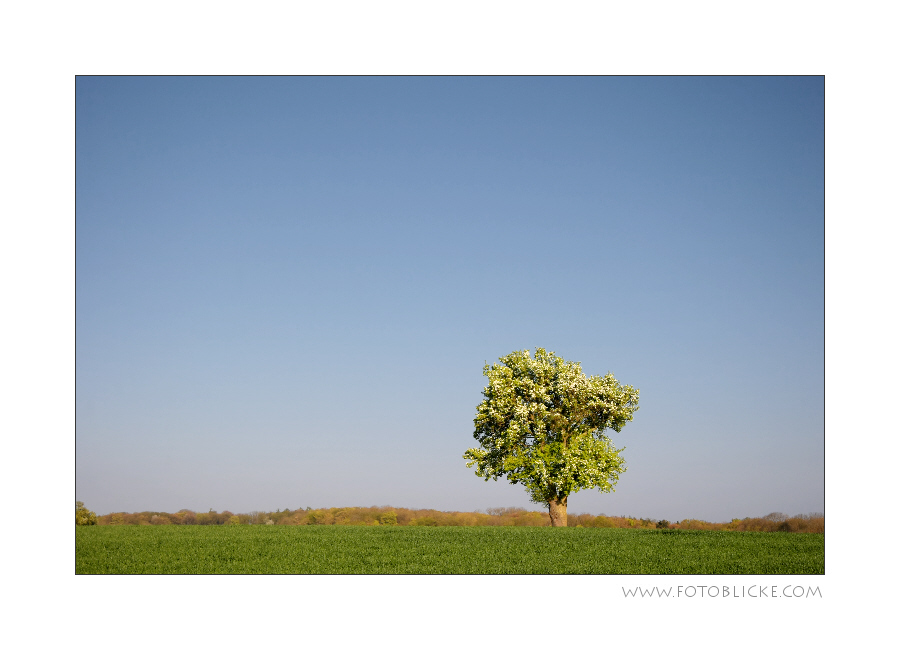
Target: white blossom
x=542 y=423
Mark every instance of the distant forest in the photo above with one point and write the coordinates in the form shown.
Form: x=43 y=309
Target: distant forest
x=390 y=516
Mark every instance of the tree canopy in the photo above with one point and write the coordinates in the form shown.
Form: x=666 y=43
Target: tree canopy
x=543 y=424
x=83 y=516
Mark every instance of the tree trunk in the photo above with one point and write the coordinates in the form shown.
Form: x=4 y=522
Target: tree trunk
x=558 y=515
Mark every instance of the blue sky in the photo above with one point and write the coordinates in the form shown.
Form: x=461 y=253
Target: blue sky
x=286 y=288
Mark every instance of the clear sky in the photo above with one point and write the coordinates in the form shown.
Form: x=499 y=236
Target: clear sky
x=286 y=288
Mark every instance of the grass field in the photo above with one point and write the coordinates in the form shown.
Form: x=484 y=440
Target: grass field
x=441 y=550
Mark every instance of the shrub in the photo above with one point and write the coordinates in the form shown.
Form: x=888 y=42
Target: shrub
x=388 y=515
x=340 y=516
x=83 y=516
x=425 y=521
x=583 y=520
x=318 y=518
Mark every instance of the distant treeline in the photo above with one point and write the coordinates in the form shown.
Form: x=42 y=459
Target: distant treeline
x=390 y=516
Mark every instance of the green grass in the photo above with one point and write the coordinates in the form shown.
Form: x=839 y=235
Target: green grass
x=440 y=550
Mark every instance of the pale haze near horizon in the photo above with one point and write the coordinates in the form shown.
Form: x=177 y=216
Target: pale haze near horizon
x=287 y=287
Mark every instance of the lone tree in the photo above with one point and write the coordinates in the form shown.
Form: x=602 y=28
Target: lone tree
x=542 y=424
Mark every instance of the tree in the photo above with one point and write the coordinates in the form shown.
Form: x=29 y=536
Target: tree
x=83 y=516
x=543 y=424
